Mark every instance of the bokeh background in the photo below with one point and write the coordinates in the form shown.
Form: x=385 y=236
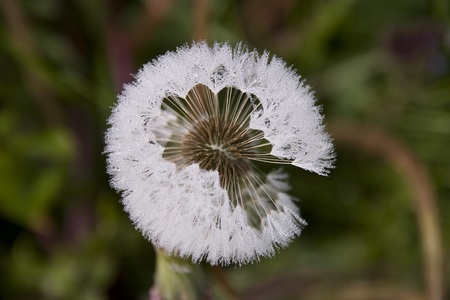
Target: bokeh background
x=379 y=225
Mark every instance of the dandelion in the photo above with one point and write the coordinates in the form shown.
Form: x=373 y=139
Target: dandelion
x=189 y=145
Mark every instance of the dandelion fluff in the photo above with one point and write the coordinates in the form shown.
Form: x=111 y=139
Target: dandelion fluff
x=185 y=146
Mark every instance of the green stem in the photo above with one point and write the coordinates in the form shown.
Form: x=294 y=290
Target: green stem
x=176 y=278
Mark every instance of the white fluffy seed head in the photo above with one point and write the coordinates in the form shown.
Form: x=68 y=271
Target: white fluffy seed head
x=185 y=141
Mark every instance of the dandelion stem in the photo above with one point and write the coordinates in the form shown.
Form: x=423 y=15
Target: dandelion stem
x=177 y=278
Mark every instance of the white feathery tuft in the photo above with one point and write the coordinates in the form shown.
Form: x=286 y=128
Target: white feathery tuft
x=188 y=209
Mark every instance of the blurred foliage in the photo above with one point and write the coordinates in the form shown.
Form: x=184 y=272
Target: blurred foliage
x=64 y=234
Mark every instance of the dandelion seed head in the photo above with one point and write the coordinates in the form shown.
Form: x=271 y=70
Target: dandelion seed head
x=185 y=145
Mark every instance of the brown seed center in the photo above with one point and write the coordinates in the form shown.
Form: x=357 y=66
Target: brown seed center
x=216 y=144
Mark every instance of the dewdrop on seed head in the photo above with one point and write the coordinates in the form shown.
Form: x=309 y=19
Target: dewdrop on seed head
x=186 y=143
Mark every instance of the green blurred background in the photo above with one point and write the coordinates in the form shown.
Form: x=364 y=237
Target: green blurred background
x=380 y=69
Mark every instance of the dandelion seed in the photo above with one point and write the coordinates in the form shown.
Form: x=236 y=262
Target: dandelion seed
x=187 y=143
